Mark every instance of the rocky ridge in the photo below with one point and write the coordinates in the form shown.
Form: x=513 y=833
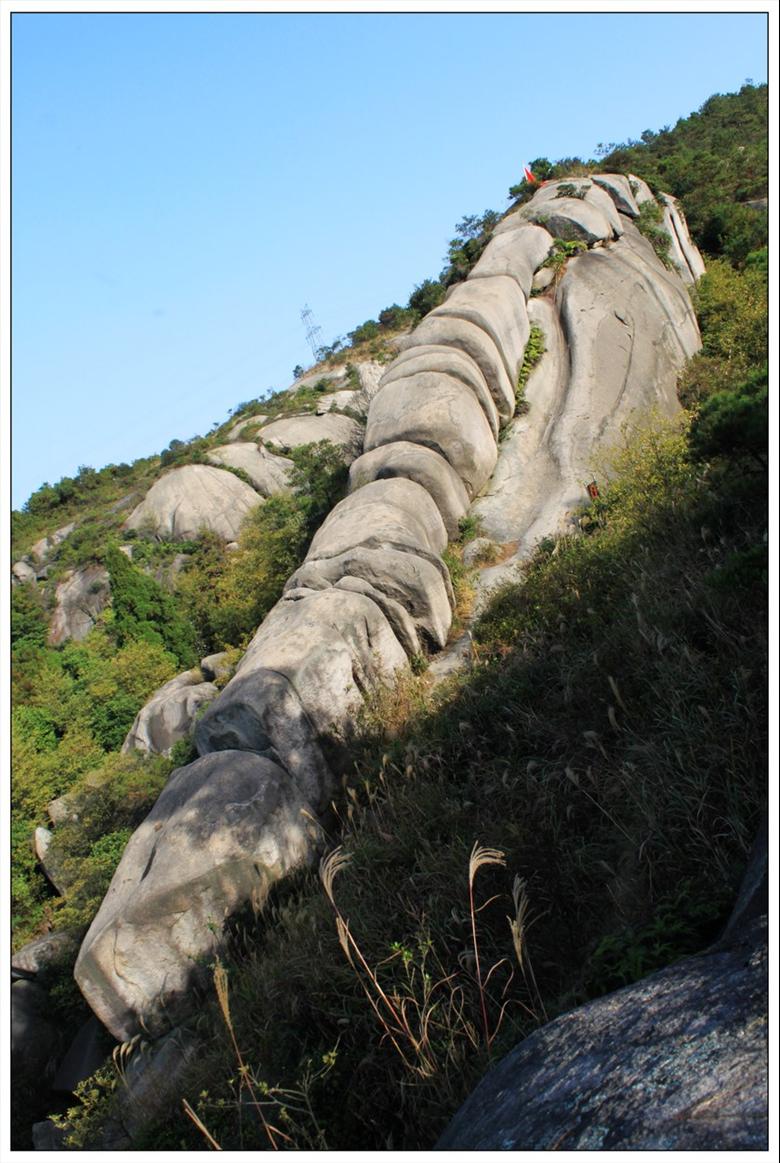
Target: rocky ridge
x=374 y=589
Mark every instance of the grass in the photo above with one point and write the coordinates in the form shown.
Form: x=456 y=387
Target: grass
x=569 y=815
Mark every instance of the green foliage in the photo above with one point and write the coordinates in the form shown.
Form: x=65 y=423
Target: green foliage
x=394 y=317
x=142 y=611
x=29 y=626
x=736 y=421
x=714 y=161
x=426 y=296
x=650 y=224
x=226 y=596
x=534 y=350
x=571 y=190
x=472 y=234
x=365 y=332
x=731 y=306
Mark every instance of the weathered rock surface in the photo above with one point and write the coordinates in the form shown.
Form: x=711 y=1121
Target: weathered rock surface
x=419 y=464
x=170 y=714
x=269 y=474
x=192 y=499
x=453 y=331
x=297 y=688
x=44 y=951
x=293 y=431
x=80 y=599
x=223 y=830
x=22 y=571
x=41 y=550
x=554 y=195
x=572 y=219
x=419 y=584
x=339 y=401
x=216 y=666
x=684 y=254
x=441 y=360
x=392 y=513
x=246 y=423
x=619 y=189
x=515 y=253
x=497 y=305
x=438 y=412
x=676 y=1062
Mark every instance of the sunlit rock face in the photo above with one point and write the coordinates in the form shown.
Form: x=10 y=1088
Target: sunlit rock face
x=194 y=499
x=443 y=435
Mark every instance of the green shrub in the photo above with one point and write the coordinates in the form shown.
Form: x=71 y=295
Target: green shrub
x=142 y=611
x=650 y=224
x=534 y=350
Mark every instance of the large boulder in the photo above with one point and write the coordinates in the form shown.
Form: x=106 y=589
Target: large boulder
x=438 y=412
x=619 y=189
x=170 y=714
x=684 y=254
x=450 y=330
x=33 y=1037
x=515 y=253
x=193 y=499
x=46 y=950
x=80 y=599
x=41 y=550
x=268 y=473
x=393 y=512
x=223 y=831
x=570 y=190
x=246 y=426
x=419 y=583
x=300 y=683
x=293 y=431
x=442 y=360
x=22 y=571
x=676 y=1062
x=420 y=464
x=497 y=305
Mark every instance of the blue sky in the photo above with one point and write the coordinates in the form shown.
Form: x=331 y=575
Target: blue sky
x=183 y=184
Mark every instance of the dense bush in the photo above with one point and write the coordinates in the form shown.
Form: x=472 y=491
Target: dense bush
x=143 y=611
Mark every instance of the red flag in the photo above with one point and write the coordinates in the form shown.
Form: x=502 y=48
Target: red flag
x=529 y=177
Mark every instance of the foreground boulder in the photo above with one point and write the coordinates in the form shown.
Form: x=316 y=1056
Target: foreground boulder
x=224 y=829
x=676 y=1062
x=193 y=499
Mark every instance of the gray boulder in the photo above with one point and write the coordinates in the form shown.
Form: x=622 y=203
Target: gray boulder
x=293 y=431
x=640 y=190
x=22 y=571
x=216 y=666
x=420 y=464
x=269 y=474
x=438 y=412
x=417 y=582
x=349 y=398
x=683 y=252
x=515 y=253
x=454 y=331
x=41 y=550
x=619 y=189
x=676 y=1062
x=300 y=683
x=192 y=499
x=497 y=305
x=46 y=1136
x=80 y=598
x=441 y=360
x=393 y=512
x=86 y=1054
x=245 y=426
x=224 y=829
x=170 y=714
x=46 y=950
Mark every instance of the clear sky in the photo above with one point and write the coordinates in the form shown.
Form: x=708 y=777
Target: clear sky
x=183 y=184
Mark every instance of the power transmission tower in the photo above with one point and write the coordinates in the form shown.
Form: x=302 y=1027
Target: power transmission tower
x=313 y=332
